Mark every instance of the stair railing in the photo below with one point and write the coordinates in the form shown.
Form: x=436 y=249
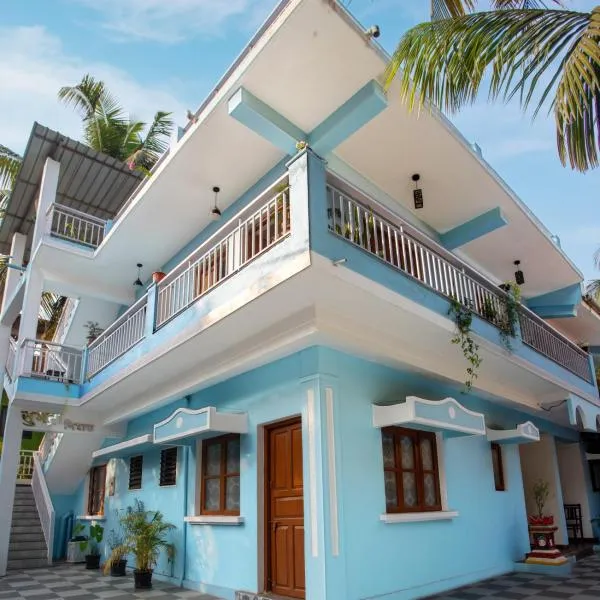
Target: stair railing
x=43 y=503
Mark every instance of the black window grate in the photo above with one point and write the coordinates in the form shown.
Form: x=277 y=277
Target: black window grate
x=168 y=466
x=136 y=464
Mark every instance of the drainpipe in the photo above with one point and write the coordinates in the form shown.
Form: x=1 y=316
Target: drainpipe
x=186 y=462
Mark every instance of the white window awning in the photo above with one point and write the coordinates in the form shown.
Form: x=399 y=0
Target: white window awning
x=522 y=434
x=447 y=416
x=201 y=423
x=137 y=445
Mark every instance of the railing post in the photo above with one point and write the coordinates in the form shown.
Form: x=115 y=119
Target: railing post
x=84 y=363
x=151 y=306
x=593 y=379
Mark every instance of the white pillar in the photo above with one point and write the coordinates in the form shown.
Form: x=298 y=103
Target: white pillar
x=31 y=304
x=46 y=198
x=9 y=464
x=17 y=250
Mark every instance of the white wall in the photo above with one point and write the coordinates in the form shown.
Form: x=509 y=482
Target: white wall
x=539 y=461
x=572 y=477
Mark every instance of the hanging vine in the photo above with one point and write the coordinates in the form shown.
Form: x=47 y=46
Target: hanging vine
x=463 y=318
x=508 y=324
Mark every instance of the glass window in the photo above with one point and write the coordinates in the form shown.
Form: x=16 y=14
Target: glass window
x=220 y=485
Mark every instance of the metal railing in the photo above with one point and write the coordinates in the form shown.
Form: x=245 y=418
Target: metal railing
x=48 y=447
x=404 y=248
x=238 y=242
x=39 y=358
x=11 y=358
x=43 y=503
x=25 y=472
x=122 y=335
x=76 y=226
x=66 y=317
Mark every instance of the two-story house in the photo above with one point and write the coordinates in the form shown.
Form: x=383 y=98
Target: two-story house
x=286 y=390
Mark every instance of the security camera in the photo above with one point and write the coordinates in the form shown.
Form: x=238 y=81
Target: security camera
x=373 y=32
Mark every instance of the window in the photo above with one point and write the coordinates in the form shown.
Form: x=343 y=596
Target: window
x=498 y=468
x=412 y=482
x=96 y=490
x=595 y=474
x=220 y=485
x=136 y=464
x=168 y=466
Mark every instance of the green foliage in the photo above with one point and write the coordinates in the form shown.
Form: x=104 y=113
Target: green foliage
x=95 y=536
x=144 y=536
x=542 y=57
x=463 y=318
x=541 y=491
x=508 y=324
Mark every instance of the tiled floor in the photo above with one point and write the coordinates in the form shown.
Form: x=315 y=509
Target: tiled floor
x=583 y=584
x=73 y=582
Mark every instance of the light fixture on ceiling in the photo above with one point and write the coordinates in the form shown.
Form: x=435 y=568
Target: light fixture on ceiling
x=215 y=212
x=138 y=282
x=417 y=192
x=519 y=277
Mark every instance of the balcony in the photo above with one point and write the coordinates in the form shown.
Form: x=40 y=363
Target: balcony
x=406 y=250
x=74 y=226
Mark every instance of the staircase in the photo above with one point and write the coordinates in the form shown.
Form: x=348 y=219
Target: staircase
x=27 y=548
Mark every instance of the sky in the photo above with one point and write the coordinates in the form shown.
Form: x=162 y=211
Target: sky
x=168 y=54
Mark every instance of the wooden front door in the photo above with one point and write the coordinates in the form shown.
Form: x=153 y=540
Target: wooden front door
x=285 y=510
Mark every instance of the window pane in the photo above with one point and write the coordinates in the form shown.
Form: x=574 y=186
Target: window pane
x=391 y=495
x=388 y=450
x=232 y=494
x=213 y=459
x=426 y=454
x=409 y=484
x=406 y=450
x=430 y=491
x=212 y=498
x=233 y=456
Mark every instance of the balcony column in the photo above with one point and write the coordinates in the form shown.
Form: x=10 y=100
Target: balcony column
x=31 y=304
x=9 y=465
x=46 y=198
x=151 y=310
x=17 y=250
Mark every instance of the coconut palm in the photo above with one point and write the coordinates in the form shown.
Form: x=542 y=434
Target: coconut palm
x=106 y=126
x=542 y=57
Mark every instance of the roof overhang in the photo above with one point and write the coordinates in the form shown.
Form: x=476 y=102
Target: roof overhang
x=137 y=445
x=521 y=434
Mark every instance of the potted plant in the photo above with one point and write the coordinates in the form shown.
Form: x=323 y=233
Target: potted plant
x=94 y=331
x=158 y=276
x=118 y=561
x=144 y=536
x=541 y=491
x=92 y=560
x=74 y=551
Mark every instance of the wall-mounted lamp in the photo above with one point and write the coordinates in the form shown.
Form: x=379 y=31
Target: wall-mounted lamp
x=215 y=212
x=138 y=282
x=417 y=192
x=373 y=32
x=519 y=277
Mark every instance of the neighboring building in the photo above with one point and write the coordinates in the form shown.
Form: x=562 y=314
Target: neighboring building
x=289 y=395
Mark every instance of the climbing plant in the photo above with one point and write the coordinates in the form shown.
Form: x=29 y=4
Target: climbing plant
x=508 y=324
x=463 y=318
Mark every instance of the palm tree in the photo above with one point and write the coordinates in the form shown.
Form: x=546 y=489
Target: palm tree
x=10 y=162
x=107 y=128
x=521 y=49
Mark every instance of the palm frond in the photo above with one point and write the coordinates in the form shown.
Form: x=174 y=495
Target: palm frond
x=10 y=162
x=446 y=9
x=447 y=62
x=85 y=96
x=156 y=141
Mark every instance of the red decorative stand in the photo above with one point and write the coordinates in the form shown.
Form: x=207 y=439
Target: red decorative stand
x=543 y=548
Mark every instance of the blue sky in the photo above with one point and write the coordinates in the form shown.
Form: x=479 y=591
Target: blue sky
x=167 y=54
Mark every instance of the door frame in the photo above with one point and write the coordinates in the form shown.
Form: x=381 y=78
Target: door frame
x=263 y=459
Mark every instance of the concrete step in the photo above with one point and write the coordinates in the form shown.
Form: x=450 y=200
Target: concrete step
x=24 y=528
x=33 y=554
x=16 y=545
x=25 y=513
x=24 y=563
x=29 y=534
x=23 y=505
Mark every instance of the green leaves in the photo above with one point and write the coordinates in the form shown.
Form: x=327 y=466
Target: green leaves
x=545 y=58
x=463 y=318
x=10 y=163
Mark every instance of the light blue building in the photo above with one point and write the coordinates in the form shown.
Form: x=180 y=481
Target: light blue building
x=289 y=394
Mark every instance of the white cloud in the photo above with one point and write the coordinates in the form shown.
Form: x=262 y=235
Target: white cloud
x=34 y=65
x=171 y=21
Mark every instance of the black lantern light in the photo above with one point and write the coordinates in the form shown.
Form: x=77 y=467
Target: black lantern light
x=519 y=277
x=138 y=281
x=215 y=212
x=417 y=192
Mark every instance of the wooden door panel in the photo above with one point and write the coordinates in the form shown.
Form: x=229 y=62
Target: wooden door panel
x=296 y=449
x=298 y=540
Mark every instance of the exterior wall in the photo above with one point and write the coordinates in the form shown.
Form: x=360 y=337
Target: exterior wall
x=539 y=461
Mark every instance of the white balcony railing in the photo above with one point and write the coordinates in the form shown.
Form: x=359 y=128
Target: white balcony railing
x=43 y=503
x=404 y=248
x=76 y=226
x=48 y=447
x=38 y=358
x=25 y=472
x=122 y=335
x=238 y=242
x=11 y=358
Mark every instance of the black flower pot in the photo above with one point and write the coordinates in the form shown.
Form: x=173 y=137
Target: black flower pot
x=142 y=579
x=92 y=561
x=117 y=568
